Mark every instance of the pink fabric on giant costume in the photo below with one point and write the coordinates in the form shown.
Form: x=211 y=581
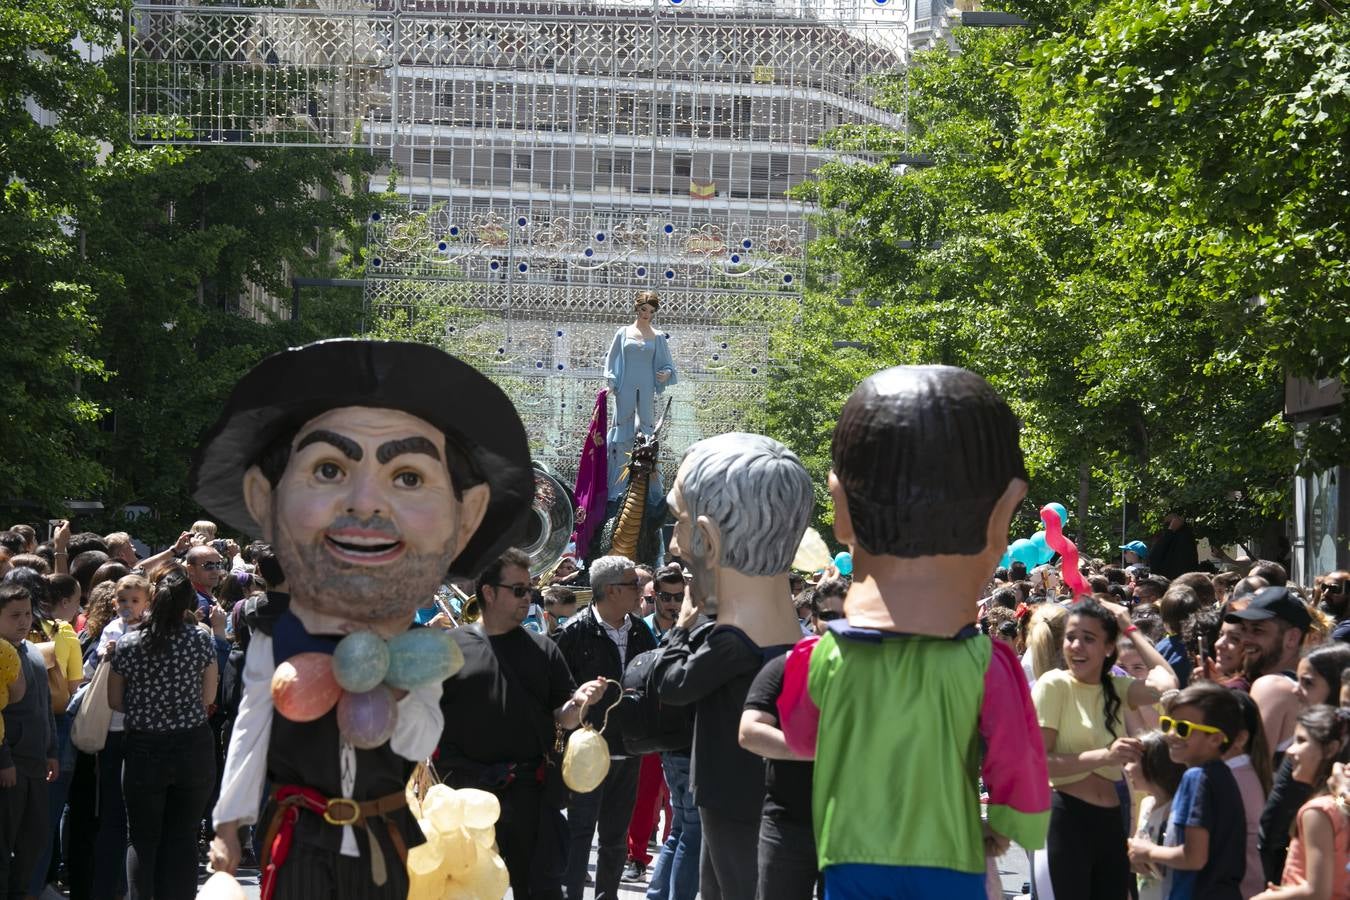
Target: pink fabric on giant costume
x=592 y=485
x=798 y=715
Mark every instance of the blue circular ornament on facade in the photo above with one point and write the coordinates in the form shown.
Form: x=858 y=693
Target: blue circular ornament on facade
x=747 y=243
x=599 y=235
x=522 y=221
x=525 y=268
x=558 y=333
x=374 y=217
x=669 y=229
x=377 y=262
x=735 y=257
x=641 y=271
x=454 y=231
x=589 y=252
x=494 y=265
x=787 y=279
x=441 y=246
x=538 y=363
x=670 y=273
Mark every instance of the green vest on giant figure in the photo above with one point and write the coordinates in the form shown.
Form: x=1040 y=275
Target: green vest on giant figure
x=373 y=469
x=903 y=703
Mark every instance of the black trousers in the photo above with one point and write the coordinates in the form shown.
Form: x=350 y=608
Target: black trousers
x=24 y=830
x=728 y=867
x=1086 y=850
x=532 y=838
x=610 y=807
x=787 y=860
x=312 y=873
x=167 y=781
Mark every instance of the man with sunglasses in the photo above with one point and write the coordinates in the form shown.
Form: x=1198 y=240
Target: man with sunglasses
x=599 y=642
x=205 y=568
x=667 y=597
x=500 y=711
x=1335 y=600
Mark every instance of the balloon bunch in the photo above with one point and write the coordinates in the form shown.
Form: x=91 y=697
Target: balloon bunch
x=1037 y=549
x=1067 y=550
x=459 y=861
x=359 y=677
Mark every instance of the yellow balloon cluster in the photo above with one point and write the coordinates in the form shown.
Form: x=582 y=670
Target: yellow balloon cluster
x=9 y=672
x=459 y=861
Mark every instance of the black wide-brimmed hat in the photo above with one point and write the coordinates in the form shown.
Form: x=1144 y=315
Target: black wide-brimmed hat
x=287 y=389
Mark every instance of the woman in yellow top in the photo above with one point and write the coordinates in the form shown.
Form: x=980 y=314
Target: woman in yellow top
x=1079 y=711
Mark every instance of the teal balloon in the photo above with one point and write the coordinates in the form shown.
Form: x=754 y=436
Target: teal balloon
x=1025 y=552
x=1043 y=550
x=843 y=561
x=421 y=656
x=360 y=661
x=1063 y=513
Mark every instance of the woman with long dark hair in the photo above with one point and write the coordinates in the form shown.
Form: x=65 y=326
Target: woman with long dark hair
x=1079 y=711
x=163 y=677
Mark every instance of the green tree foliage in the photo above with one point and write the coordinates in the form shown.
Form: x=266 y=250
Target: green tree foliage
x=122 y=269
x=1130 y=272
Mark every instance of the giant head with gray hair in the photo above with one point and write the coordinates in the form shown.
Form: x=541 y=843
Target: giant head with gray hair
x=742 y=502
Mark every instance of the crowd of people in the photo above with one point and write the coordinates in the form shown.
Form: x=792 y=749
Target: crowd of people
x=1193 y=725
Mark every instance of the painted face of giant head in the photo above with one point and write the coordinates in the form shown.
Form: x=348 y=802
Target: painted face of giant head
x=364 y=518
x=696 y=554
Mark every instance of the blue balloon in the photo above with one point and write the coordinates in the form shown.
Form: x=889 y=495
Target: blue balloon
x=843 y=561
x=1003 y=561
x=1025 y=552
x=1043 y=550
x=1063 y=513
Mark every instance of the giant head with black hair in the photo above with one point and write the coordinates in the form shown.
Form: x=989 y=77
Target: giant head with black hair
x=927 y=473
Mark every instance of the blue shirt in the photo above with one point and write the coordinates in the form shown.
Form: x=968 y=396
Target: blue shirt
x=1209 y=798
x=1174 y=651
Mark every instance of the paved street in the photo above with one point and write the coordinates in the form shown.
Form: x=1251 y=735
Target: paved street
x=1013 y=867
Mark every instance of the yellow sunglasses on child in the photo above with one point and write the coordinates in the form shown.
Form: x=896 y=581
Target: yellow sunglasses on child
x=1184 y=727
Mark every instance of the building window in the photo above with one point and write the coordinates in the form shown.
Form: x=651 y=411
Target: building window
x=684 y=166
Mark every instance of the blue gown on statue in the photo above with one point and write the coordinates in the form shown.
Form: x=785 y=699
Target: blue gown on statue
x=631 y=369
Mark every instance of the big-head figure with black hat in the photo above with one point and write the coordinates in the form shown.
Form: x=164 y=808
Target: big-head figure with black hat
x=374 y=469
x=927 y=472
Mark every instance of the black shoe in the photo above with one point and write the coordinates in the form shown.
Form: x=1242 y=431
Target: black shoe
x=634 y=871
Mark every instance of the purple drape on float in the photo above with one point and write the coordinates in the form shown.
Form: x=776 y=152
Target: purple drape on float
x=592 y=477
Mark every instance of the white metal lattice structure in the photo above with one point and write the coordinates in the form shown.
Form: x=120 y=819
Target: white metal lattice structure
x=553 y=159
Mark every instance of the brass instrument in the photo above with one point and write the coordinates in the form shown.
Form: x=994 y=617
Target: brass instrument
x=548 y=528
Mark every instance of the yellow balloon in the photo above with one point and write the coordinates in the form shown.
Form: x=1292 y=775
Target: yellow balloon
x=426 y=859
x=461 y=854
x=481 y=809
x=586 y=762
x=444 y=808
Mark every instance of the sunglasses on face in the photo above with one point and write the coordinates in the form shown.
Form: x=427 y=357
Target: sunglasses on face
x=213 y=566
x=1183 y=727
x=670 y=598
x=519 y=591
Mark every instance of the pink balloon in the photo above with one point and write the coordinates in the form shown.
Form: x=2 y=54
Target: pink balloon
x=303 y=687
x=368 y=719
x=1067 y=550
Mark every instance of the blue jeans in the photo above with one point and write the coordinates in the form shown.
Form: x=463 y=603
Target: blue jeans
x=57 y=792
x=675 y=875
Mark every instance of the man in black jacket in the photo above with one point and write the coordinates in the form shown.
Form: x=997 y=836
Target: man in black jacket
x=598 y=643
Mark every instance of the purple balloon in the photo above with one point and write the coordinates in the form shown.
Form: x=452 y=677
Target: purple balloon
x=367 y=720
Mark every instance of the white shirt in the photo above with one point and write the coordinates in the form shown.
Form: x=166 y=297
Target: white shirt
x=417 y=733
x=618 y=635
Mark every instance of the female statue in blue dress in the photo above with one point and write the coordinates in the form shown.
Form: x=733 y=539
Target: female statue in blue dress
x=638 y=368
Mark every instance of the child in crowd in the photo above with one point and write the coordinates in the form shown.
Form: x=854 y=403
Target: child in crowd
x=1206 y=838
x=1318 y=866
x=28 y=753
x=1157 y=777
x=133 y=602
